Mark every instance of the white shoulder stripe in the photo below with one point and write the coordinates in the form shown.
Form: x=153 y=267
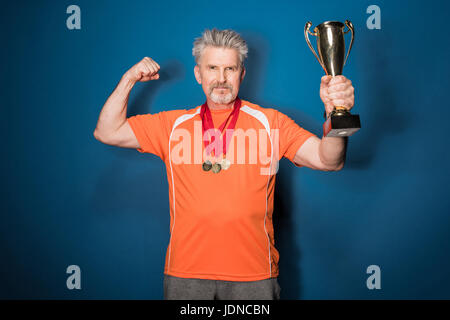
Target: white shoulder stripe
x=185 y=117
x=258 y=115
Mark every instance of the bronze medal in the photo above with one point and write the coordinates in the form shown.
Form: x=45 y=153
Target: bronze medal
x=225 y=164
x=216 y=167
x=207 y=165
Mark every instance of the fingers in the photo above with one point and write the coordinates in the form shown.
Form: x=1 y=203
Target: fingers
x=148 y=69
x=342 y=99
x=336 y=91
x=147 y=78
x=330 y=80
x=152 y=61
x=338 y=79
x=335 y=84
x=151 y=65
x=340 y=94
x=340 y=102
x=145 y=70
x=346 y=102
x=338 y=87
x=324 y=81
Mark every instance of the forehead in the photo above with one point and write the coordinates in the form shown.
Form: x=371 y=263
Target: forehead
x=219 y=56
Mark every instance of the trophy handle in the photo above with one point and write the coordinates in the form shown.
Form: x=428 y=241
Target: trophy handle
x=307 y=26
x=350 y=28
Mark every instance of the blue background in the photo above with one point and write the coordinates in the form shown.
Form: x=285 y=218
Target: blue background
x=68 y=199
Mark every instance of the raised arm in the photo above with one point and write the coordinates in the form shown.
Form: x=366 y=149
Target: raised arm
x=328 y=153
x=112 y=126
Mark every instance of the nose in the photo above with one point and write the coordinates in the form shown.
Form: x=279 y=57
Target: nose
x=221 y=76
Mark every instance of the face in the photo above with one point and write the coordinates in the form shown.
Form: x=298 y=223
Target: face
x=220 y=74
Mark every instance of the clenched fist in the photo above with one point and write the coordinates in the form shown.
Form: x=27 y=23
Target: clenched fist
x=145 y=70
x=336 y=91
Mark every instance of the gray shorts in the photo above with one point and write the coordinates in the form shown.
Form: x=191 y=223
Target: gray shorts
x=176 y=288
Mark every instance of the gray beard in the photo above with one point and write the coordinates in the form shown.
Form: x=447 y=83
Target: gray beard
x=221 y=99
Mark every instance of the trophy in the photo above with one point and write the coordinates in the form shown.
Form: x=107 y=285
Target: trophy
x=331 y=48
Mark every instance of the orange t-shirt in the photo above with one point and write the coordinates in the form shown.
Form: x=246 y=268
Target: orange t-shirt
x=221 y=223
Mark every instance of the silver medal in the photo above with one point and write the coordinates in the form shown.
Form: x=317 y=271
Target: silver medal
x=225 y=164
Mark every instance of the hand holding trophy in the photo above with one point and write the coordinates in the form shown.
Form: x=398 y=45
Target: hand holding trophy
x=331 y=51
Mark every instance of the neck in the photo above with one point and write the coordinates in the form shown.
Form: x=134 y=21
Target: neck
x=218 y=106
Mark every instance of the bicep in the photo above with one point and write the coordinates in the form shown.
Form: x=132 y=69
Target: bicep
x=308 y=154
x=124 y=137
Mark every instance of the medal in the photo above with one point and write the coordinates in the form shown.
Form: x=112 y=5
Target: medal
x=207 y=123
x=216 y=167
x=206 y=166
x=225 y=164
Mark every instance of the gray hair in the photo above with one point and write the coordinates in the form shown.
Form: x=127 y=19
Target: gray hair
x=222 y=39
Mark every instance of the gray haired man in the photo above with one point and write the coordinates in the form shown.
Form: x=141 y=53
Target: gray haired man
x=221 y=200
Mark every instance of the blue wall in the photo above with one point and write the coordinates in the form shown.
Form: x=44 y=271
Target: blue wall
x=68 y=199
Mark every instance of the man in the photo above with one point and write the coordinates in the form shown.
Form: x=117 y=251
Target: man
x=221 y=195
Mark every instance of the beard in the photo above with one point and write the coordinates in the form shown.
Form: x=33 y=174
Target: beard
x=221 y=98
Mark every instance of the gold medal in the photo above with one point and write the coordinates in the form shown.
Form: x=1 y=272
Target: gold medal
x=207 y=165
x=216 y=167
x=225 y=164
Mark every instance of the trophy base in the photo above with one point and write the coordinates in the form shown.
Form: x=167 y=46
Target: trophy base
x=341 y=125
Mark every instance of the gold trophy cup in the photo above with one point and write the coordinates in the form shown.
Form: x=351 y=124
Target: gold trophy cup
x=331 y=49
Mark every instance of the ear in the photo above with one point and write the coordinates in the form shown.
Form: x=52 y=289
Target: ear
x=242 y=74
x=197 y=74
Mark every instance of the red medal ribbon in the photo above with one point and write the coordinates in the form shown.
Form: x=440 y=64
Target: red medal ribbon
x=207 y=123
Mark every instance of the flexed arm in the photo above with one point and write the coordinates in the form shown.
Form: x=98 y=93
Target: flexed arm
x=112 y=126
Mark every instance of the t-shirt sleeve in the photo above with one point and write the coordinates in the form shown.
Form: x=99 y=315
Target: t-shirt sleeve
x=291 y=137
x=151 y=132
